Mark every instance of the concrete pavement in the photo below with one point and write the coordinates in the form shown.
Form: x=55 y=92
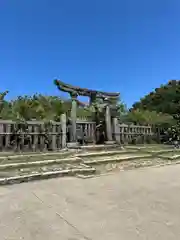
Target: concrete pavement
x=139 y=204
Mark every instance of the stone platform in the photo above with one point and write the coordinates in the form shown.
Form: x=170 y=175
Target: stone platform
x=83 y=162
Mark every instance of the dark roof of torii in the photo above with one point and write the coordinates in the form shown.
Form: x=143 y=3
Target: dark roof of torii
x=84 y=91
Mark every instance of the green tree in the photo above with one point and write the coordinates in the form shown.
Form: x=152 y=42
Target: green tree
x=165 y=99
x=41 y=107
x=146 y=117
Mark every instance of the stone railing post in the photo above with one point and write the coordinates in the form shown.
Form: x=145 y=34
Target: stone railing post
x=116 y=130
x=108 y=125
x=73 y=131
x=73 y=117
x=63 y=128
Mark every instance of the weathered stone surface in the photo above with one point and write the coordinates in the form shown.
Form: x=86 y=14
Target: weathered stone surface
x=45 y=175
x=38 y=163
x=117 y=158
x=73 y=145
x=131 y=205
x=103 y=153
x=32 y=155
x=104 y=161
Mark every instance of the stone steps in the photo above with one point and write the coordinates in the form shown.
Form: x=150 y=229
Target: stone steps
x=126 y=159
x=4 y=159
x=161 y=151
x=81 y=162
x=148 y=146
x=106 y=153
x=118 y=158
x=38 y=169
x=25 y=171
x=45 y=175
x=102 y=147
x=117 y=166
x=39 y=163
x=19 y=168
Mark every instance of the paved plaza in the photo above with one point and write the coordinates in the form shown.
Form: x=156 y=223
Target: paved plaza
x=141 y=204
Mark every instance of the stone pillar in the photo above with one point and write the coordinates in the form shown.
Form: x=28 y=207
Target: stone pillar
x=73 y=134
x=116 y=130
x=108 y=125
x=63 y=128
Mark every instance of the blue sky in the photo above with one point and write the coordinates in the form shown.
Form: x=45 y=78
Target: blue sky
x=112 y=45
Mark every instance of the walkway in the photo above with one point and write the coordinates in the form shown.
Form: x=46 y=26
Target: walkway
x=132 y=205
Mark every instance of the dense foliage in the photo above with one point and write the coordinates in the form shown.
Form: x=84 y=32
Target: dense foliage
x=146 y=117
x=38 y=107
x=42 y=107
x=165 y=99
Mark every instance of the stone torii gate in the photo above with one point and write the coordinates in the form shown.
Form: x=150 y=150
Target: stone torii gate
x=93 y=95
